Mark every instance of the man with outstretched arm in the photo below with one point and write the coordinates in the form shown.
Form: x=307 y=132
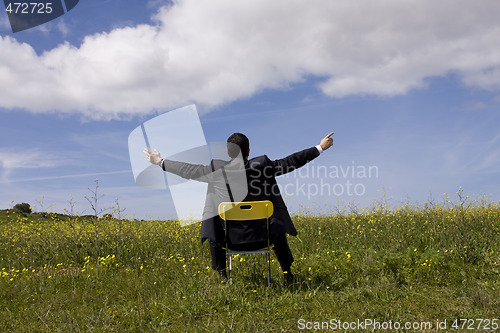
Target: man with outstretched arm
x=261 y=173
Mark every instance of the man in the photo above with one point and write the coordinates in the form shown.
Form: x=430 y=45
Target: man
x=261 y=185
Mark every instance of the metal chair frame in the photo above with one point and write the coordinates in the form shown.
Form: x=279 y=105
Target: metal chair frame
x=247 y=211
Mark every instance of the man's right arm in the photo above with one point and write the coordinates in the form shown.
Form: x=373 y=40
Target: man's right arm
x=182 y=169
x=186 y=170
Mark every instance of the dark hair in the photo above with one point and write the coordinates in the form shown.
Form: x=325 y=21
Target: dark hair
x=237 y=142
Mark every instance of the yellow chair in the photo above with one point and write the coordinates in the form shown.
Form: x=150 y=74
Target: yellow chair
x=233 y=212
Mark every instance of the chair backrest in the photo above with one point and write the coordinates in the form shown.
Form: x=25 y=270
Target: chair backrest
x=246 y=211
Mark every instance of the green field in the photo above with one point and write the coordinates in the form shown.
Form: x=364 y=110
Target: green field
x=413 y=265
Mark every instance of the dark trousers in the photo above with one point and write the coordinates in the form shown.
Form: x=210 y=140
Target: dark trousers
x=281 y=249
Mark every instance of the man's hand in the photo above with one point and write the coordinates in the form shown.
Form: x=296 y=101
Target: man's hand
x=326 y=142
x=154 y=158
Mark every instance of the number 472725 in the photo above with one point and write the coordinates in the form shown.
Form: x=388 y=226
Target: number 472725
x=471 y=324
x=29 y=8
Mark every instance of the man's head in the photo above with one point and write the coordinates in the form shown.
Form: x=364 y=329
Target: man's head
x=237 y=142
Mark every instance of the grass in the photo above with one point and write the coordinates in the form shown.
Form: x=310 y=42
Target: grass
x=62 y=273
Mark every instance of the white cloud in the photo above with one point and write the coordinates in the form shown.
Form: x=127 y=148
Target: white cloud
x=12 y=160
x=27 y=160
x=487 y=78
x=214 y=52
x=21 y=180
x=63 y=28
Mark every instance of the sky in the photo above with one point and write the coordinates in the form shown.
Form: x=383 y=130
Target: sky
x=410 y=88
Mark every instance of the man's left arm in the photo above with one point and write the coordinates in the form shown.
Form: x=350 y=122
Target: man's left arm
x=299 y=159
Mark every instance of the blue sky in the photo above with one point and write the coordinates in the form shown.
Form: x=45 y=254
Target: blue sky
x=411 y=88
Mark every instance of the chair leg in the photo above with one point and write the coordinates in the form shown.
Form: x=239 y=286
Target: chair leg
x=230 y=270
